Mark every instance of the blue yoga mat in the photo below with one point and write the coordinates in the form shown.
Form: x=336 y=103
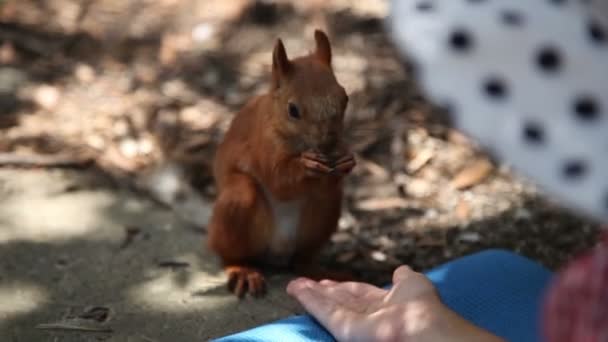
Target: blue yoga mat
x=495 y=289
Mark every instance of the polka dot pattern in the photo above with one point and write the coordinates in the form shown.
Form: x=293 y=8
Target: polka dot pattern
x=596 y=33
x=529 y=80
x=533 y=133
x=424 y=6
x=549 y=59
x=512 y=18
x=586 y=108
x=495 y=88
x=461 y=40
x=574 y=169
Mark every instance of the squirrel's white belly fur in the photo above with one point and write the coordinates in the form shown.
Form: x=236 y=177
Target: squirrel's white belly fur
x=286 y=217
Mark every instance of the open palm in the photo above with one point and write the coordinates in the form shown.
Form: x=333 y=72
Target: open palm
x=410 y=311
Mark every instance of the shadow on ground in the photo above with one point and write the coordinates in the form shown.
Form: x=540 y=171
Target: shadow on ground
x=67 y=251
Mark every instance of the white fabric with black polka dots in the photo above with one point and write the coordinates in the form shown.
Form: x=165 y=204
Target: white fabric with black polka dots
x=527 y=78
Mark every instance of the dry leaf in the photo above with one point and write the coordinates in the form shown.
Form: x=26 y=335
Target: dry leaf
x=420 y=160
x=418 y=188
x=173 y=264
x=376 y=171
x=472 y=174
x=114 y=158
x=457 y=137
x=431 y=241
x=463 y=210
x=96 y=313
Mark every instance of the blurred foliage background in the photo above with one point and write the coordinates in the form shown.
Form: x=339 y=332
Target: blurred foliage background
x=140 y=92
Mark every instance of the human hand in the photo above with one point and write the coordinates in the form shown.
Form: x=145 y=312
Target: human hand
x=410 y=311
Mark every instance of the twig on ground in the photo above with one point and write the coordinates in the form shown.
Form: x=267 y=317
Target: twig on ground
x=72 y=327
x=38 y=160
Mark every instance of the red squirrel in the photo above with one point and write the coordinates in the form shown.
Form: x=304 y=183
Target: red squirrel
x=279 y=171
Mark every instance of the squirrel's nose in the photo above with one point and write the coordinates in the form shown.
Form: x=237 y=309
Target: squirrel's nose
x=329 y=142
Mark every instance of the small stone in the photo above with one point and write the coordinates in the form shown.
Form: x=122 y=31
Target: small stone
x=174 y=88
x=346 y=221
x=129 y=148
x=469 y=237
x=384 y=242
x=95 y=141
x=418 y=188
x=11 y=79
x=145 y=146
x=146 y=73
x=190 y=113
x=203 y=32
x=233 y=97
x=346 y=257
x=85 y=73
x=8 y=54
x=379 y=256
x=341 y=237
x=463 y=210
x=211 y=78
x=431 y=214
x=46 y=96
x=120 y=128
x=523 y=214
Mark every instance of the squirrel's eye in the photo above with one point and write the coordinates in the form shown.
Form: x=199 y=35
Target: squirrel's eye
x=293 y=111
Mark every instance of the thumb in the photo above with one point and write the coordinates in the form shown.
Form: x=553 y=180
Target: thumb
x=401 y=273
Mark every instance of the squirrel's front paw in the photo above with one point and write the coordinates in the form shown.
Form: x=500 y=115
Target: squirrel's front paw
x=345 y=164
x=244 y=279
x=315 y=164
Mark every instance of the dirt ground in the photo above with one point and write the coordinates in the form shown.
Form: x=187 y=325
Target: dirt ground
x=110 y=114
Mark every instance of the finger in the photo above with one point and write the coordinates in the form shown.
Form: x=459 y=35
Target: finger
x=330 y=291
x=313 y=301
x=328 y=282
x=339 y=294
x=297 y=284
x=402 y=273
x=363 y=290
x=408 y=285
x=354 y=295
x=335 y=317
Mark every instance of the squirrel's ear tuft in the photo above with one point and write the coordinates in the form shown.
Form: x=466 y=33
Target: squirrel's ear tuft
x=323 y=50
x=281 y=66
